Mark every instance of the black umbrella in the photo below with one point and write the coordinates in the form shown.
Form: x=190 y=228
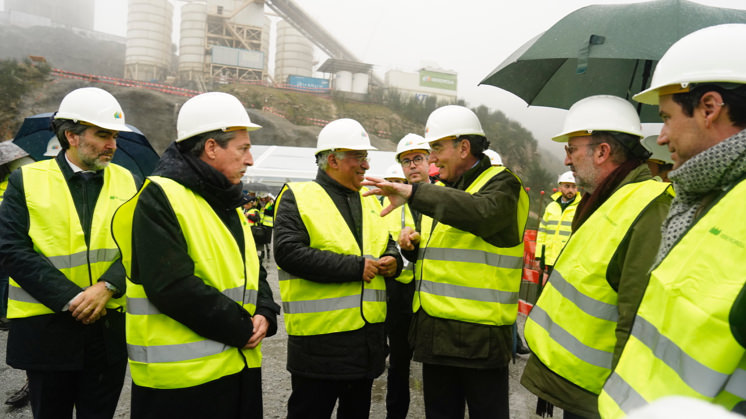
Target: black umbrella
x=256 y=187
x=133 y=150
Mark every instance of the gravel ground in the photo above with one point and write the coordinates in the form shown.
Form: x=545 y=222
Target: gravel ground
x=276 y=381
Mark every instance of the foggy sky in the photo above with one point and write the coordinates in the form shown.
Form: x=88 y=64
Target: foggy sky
x=470 y=37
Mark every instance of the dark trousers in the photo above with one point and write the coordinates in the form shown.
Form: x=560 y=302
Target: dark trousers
x=93 y=391
x=397 y=380
x=314 y=398
x=234 y=396
x=448 y=389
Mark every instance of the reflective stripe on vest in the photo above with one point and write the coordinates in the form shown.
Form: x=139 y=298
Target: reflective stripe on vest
x=267 y=219
x=555 y=229
x=681 y=341
x=164 y=353
x=461 y=277
x=571 y=328
x=396 y=220
x=56 y=232
x=312 y=308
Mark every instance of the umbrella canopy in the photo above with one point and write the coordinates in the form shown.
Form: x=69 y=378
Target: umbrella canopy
x=256 y=187
x=603 y=49
x=133 y=150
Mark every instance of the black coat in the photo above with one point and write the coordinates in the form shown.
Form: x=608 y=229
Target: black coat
x=346 y=355
x=54 y=341
x=491 y=214
x=162 y=265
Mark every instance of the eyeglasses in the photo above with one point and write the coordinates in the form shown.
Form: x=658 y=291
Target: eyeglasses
x=360 y=157
x=570 y=149
x=416 y=160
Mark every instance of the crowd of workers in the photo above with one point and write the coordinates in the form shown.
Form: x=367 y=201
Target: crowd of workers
x=641 y=299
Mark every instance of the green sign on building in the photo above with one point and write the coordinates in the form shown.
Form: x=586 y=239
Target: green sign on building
x=437 y=80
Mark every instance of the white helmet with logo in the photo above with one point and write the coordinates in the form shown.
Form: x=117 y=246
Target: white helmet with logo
x=600 y=113
x=394 y=172
x=566 y=177
x=452 y=121
x=53 y=147
x=659 y=152
x=411 y=142
x=210 y=112
x=494 y=156
x=345 y=134
x=93 y=106
x=709 y=55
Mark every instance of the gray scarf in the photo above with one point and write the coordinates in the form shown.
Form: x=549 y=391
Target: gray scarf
x=717 y=168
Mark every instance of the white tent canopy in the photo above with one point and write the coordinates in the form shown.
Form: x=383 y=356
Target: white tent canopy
x=276 y=165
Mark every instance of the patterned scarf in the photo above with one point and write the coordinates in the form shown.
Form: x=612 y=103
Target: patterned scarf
x=715 y=169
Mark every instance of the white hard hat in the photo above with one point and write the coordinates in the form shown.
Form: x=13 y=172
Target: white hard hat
x=53 y=147
x=411 y=142
x=94 y=106
x=659 y=152
x=394 y=172
x=495 y=158
x=566 y=177
x=210 y=112
x=450 y=121
x=345 y=134
x=600 y=113
x=707 y=55
x=681 y=407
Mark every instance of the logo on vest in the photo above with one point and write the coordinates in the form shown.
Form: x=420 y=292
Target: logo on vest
x=113 y=197
x=719 y=233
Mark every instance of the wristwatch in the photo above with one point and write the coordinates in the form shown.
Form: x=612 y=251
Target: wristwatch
x=111 y=287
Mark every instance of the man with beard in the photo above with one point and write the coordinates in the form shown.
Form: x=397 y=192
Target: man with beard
x=584 y=314
x=198 y=303
x=67 y=279
x=689 y=334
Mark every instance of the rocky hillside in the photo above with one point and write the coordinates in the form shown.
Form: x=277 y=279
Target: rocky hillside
x=27 y=90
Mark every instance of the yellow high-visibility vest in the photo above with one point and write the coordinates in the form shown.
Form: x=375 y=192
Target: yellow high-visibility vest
x=56 y=232
x=313 y=308
x=571 y=328
x=459 y=276
x=555 y=229
x=398 y=219
x=164 y=353
x=267 y=219
x=681 y=342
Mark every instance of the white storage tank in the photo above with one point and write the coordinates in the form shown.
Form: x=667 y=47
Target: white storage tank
x=293 y=54
x=343 y=81
x=192 y=40
x=266 y=30
x=360 y=83
x=148 y=49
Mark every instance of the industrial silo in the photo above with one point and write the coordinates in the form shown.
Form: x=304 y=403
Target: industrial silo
x=266 y=30
x=360 y=83
x=192 y=40
x=294 y=53
x=148 y=51
x=343 y=81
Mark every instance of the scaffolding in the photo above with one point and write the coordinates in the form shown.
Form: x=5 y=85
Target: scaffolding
x=222 y=32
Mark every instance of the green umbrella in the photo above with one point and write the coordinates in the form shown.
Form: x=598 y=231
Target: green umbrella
x=603 y=49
